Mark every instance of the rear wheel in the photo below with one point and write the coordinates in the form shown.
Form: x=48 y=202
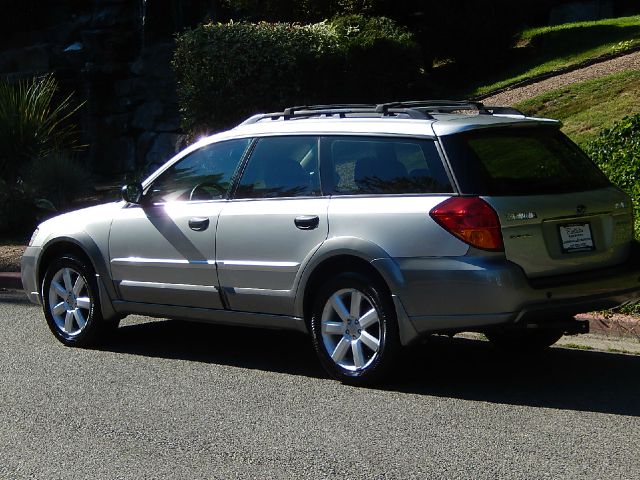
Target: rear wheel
x=354 y=329
x=71 y=303
x=521 y=339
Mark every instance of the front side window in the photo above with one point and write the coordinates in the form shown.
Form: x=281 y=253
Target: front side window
x=281 y=167
x=202 y=175
x=377 y=165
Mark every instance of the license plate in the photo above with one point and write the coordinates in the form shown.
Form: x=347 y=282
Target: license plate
x=576 y=237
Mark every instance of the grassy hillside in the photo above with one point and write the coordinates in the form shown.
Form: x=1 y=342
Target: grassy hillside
x=588 y=107
x=543 y=50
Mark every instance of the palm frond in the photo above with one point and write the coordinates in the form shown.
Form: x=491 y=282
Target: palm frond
x=33 y=123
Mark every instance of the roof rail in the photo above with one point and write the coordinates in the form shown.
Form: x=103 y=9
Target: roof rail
x=339 y=110
x=416 y=109
x=447 y=106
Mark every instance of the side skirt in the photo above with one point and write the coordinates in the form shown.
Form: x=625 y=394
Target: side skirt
x=205 y=315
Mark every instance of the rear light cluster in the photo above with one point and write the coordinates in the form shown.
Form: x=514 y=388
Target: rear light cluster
x=472 y=220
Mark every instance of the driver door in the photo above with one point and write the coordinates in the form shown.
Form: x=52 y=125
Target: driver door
x=163 y=250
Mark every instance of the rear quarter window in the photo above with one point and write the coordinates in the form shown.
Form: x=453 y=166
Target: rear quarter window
x=378 y=165
x=520 y=161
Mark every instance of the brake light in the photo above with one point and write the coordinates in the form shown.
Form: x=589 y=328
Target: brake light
x=472 y=220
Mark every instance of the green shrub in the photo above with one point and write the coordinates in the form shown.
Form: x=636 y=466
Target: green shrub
x=33 y=123
x=382 y=59
x=35 y=129
x=617 y=153
x=57 y=180
x=294 y=10
x=226 y=72
x=18 y=211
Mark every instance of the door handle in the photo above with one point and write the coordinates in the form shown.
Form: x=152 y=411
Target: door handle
x=199 y=224
x=307 y=222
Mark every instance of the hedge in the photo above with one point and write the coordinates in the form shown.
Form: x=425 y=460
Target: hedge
x=617 y=152
x=226 y=72
x=474 y=33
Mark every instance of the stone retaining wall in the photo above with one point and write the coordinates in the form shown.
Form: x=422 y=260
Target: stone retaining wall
x=105 y=51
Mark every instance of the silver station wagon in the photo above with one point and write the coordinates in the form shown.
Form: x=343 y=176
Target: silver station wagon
x=368 y=227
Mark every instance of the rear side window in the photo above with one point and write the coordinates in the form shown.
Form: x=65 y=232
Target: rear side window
x=376 y=165
x=526 y=161
x=281 y=167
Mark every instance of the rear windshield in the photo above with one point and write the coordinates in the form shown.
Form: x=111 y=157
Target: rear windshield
x=522 y=161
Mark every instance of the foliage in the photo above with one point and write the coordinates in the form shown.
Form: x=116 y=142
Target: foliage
x=57 y=180
x=295 y=10
x=377 y=46
x=35 y=128
x=18 y=211
x=33 y=123
x=46 y=186
x=226 y=72
x=617 y=152
x=437 y=25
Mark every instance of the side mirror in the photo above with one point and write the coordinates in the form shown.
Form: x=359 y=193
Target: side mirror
x=132 y=192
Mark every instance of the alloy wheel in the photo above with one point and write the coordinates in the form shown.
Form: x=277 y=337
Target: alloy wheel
x=351 y=329
x=69 y=301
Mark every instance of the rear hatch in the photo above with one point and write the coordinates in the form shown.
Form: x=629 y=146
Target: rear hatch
x=559 y=214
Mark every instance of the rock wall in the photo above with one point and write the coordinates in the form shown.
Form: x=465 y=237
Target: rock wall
x=115 y=55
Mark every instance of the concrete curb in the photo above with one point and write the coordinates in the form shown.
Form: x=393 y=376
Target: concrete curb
x=10 y=280
x=614 y=325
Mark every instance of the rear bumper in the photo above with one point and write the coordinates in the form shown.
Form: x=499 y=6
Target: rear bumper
x=470 y=293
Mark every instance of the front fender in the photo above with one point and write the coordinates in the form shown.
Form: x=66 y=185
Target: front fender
x=88 y=245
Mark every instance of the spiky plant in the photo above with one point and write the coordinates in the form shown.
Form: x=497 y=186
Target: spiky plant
x=33 y=123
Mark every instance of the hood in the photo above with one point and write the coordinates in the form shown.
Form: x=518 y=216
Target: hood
x=91 y=220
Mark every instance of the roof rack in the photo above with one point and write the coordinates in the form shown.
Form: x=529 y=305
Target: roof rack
x=416 y=109
x=448 y=106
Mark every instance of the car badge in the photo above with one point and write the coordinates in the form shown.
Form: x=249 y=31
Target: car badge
x=581 y=209
x=521 y=216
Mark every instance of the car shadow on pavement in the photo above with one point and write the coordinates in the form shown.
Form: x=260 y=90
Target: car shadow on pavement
x=445 y=367
x=261 y=349
x=559 y=378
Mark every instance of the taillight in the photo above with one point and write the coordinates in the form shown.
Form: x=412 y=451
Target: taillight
x=472 y=220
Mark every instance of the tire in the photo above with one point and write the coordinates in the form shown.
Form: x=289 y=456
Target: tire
x=524 y=340
x=71 y=303
x=354 y=329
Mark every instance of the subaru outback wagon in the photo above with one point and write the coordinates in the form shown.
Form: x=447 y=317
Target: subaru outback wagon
x=368 y=227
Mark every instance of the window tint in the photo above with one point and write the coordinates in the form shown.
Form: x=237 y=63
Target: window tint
x=364 y=165
x=521 y=162
x=202 y=175
x=281 y=167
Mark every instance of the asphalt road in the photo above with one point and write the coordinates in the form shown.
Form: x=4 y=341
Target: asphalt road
x=165 y=399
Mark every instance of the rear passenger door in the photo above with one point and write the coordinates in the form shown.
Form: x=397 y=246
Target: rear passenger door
x=275 y=221
x=383 y=189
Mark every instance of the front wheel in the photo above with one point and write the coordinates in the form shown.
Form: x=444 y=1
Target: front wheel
x=354 y=329
x=71 y=303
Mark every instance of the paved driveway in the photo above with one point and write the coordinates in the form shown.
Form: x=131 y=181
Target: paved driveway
x=162 y=400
